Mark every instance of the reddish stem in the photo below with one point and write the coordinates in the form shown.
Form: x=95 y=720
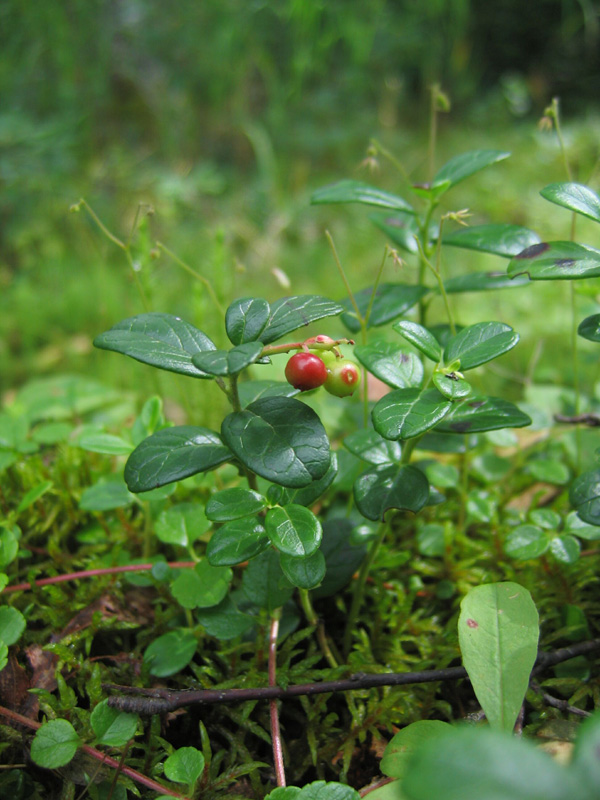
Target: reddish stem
x=92 y=573
x=275 y=730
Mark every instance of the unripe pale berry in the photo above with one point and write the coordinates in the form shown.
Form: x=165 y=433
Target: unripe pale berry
x=343 y=378
x=305 y=371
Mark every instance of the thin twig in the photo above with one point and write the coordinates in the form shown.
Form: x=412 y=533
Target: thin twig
x=591 y=420
x=273 y=710
x=555 y=702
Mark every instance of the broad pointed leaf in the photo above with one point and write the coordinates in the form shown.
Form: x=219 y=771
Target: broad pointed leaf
x=589 y=328
x=391 y=301
x=401 y=228
x=556 y=261
x=161 y=340
x=384 y=487
x=406 y=413
x=479 y=414
x=451 y=386
x=281 y=439
x=391 y=364
x=172 y=454
x=574 y=196
x=237 y=541
x=293 y=529
x=499 y=239
x=421 y=338
x=234 y=503
x=306 y=573
x=480 y=343
x=498 y=632
x=246 y=319
x=291 y=313
x=349 y=191
x=228 y=362
x=372 y=448
x=461 y=167
x=584 y=496
x=484 y=282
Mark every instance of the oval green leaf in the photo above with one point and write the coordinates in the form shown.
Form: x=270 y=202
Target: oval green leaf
x=421 y=338
x=498 y=632
x=291 y=313
x=480 y=343
x=12 y=625
x=305 y=573
x=525 y=542
x=407 y=413
x=170 y=653
x=384 y=487
x=281 y=439
x=574 y=196
x=161 y=340
x=584 y=496
x=306 y=495
x=464 y=165
x=203 y=586
x=250 y=391
x=391 y=301
x=499 y=239
x=185 y=765
x=479 y=414
x=373 y=448
x=228 y=362
x=404 y=743
x=112 y=727
x=401 y=228
x=293 y=529
x=391 y=364
x=589 y=328
x=484 y=282
x=349 y=191
x=565 y=549
x=106 y=495
x=555 y=261
x=451 y=386
x=172 y=454
x=181 y=524
x=237 y=541
x=54 y=744
x=246 y=319
x=234 y=503
x=264 y=584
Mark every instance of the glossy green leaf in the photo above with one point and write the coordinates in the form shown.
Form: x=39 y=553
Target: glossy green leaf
x=391 y=301
x=246 y=319
x=471 y=763
x=112 y=727
x=349 y=191
x=368 y=445
x=403 y=745
x=555 y=261
x=401 y=228
x=576 y=526
x=161 y=340
x=250 y=391
x=225 y=621
x=181 y=524
x=54 y=744
x=291 y=313
x=203 y=586
x=172 y=454
x=479 y=344
x=565 y=548
x=574 y=196
x=228 y=362
x=499 y=239
x=386 y=487
x=264 y=583
x=406 y=413
x=464 y=165
x=12 y=624
x=234 y=503
x=484 y=282
x=170 y=653
x=106 y=495
x=498 y=632
x=342 y=556
x=391 y=364
x=237 y=541
x=281 y=439
x=525 y=542
x=421 y=338
x=185 y=765
x=589 y=328
x=584 y=496
x=451 y=386
x=293 y=529
x=306 y=495
x=305 y=573
x=318 y=790
x=478 y=414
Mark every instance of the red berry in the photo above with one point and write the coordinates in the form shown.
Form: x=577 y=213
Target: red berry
x=343 y=378
x=305 y=371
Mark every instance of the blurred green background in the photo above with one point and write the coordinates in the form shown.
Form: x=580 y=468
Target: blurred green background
x=224 y=116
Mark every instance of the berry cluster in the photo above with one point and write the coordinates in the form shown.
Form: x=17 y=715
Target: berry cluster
x=306 y=370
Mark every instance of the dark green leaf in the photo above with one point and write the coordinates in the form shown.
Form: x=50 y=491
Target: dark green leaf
x=246 y=319
x=421 y=338
x=237 y=541
x=461 y=167
x=589 y=328
x=391 y=301
x=406 y=413
x=293 y=529
x=584 y=496
x=170 y=653
x=480 y=343
x=401 y=228
x=228 y=362
x=203 y=586
x=576 y=526
x=484 y=282
x=172 y=454
x=373 y=448
x=106 y=495
x=498 y=239
x=319 y=790
x=281 y=439
x=574 y=196
x=225 y=621
x=54 y=744
x=307 y=572
x=342 y=557
x=234 y=503
x=526 y=541
x=307 y=495
x=264 y=583
x=389 y=486
x=161 y=340
x=291 y=313
x=451 y=386
x=391 y=364
x=479 y=414
x=250 y=391
x=551 y=261
x=565 y=549
x=349 y=191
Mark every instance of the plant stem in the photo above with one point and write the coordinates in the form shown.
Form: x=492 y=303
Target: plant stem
x=432 y=130
x=359 y=316
x=438 y=276
x=391 y=158
x=312 y=619
x=275 y=730
x=196 y=275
